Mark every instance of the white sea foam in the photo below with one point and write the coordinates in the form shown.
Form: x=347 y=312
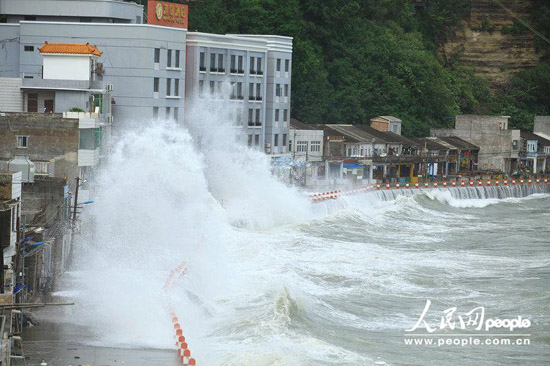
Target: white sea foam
x=271 y=279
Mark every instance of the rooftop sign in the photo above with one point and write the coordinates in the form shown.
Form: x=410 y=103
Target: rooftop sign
x=167 y=14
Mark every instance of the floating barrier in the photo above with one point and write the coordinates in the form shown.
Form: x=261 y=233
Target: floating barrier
x=332 y=195
x=184 y=354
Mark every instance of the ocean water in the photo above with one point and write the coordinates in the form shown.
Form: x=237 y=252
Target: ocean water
x=272 y=279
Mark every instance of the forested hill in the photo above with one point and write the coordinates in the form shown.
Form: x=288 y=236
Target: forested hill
x=355 y=59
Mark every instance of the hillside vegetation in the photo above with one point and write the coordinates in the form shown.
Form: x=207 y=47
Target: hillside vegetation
x=356 y=59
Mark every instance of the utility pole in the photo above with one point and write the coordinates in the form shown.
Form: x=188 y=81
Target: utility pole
x=76 y=198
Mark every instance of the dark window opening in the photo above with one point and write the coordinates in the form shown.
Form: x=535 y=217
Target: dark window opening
x=202 y=66
x=157 y=55
x=252 y=69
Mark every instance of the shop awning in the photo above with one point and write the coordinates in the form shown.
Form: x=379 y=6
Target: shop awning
x=353 y=166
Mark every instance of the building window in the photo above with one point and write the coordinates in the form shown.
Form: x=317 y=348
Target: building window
x=240 y=69
x=176 y=113
x=301 y=146
x=285 y=115
x=251 y=117
x=258 y=118
x=315 y=146
x=213 y=62
x=284 y=139
x=286 y=90
x=232 y=95
x=29 y=48
x=258 y=91
x=22 y=142
x=278 y=90
x=155 y=112
x=290 y=145
x=177 y=59
x=168 y=87
x=233 y=66
x=287 y=65
x=252 y=69
x=276 y=115
x=278 y=65
x=220 y=87
x=257 y=140
x=177 y=87
x=259 y=66
x=202 y=65
x=85 y=19
x=276 y=141
x=201 y=88
x=167 y=112
x=212 y=85
x=221 y=67
x=515 y=144
x=249 y=140
x=157 y=55
x=156 y=85
x=251 y=91
x=169 y=59
x=30 y=18
x=240 y=91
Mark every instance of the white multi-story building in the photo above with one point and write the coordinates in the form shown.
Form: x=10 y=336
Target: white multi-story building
x=258 y=70
x=154 y=68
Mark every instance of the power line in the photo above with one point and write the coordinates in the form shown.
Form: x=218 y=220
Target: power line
x=524 y=23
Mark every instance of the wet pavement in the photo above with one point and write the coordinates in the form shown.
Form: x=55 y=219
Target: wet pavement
x=54 y=344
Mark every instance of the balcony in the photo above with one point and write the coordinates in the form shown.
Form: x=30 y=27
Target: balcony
x=48 y=84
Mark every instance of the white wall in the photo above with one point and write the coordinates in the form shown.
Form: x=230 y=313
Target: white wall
x=309 y=136
x=61 y=67
x=11 y=98
x=88 y=157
